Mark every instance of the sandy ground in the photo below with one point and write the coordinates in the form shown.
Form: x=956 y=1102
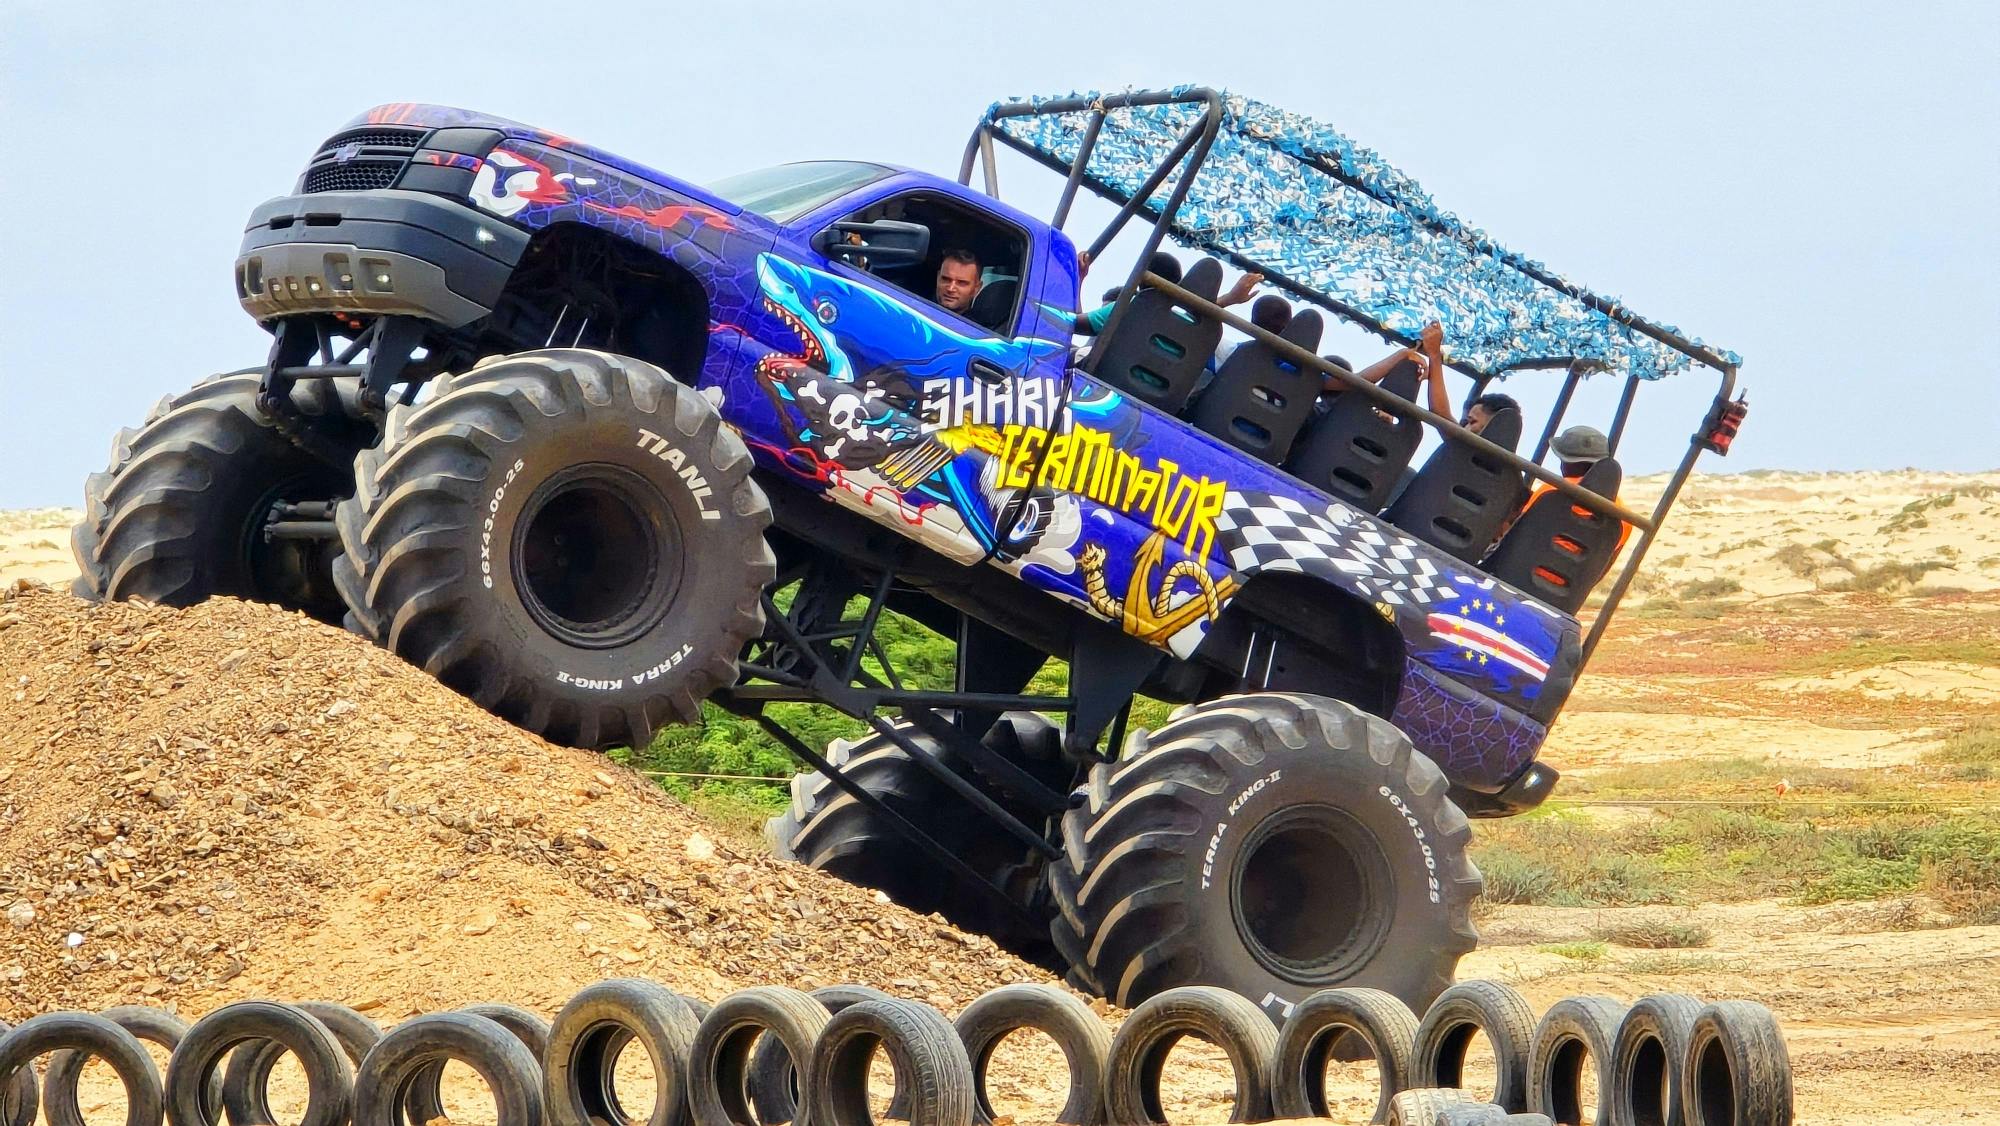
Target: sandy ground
x=1782 y=533
x=1888 y=1026
x=34 y=544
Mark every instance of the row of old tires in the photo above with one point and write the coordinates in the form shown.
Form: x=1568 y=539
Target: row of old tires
x=1666 y=1060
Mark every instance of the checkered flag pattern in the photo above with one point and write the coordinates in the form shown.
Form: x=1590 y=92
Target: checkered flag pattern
x=1270 y=532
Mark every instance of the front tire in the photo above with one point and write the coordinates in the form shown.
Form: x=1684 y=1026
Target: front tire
x=570 y=538
x=178 y=516
x=1272 y=844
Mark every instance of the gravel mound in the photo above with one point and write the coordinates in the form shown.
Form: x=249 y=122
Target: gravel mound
x=230 y=801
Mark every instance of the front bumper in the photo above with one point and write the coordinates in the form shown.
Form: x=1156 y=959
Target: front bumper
x=378 y=252
x=1528 y=790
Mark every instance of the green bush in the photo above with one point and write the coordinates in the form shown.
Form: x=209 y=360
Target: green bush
x=1711 y=588
x=1514 y=878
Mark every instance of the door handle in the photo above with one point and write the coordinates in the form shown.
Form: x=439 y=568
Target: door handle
x=986 y=371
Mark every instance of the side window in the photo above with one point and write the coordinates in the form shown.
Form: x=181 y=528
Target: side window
x=974 y=265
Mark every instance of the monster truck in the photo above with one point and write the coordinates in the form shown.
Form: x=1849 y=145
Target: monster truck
x=593 y=445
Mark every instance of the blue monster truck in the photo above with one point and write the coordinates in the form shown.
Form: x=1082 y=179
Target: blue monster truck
x=593 y=445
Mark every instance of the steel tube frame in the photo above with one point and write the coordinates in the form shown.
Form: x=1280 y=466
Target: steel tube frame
x=1647 y=526
x=825 y=685
x=1556 y=413
x=1075 y=178
x=1077 y=174
x=1396 y=404
x=1624 y=412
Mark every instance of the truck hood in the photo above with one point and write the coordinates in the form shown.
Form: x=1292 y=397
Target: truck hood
x=438 y=117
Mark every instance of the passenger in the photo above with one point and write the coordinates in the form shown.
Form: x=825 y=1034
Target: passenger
x=1480 y=411
x=1428 y=356
x=1163 y=264
x=1430 y=344
x=958 y=280
x=1271 y=313
x=1579 y=448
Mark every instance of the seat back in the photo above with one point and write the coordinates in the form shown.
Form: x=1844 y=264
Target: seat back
x=1355 y=451
x=1460 y=498
x=1259 y=400
x=995 y=304
x=1557 y=550
x=1159 y=351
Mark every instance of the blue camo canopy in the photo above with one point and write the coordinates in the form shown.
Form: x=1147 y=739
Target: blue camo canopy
x=1306 y=203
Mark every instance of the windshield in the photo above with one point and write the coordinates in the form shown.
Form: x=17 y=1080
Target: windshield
x=788 y=191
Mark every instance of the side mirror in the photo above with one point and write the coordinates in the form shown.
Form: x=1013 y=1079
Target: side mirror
x=877 y=245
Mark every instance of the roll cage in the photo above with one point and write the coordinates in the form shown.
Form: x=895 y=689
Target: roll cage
x=1182 y=163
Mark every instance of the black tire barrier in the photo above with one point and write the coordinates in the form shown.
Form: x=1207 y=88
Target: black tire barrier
x=1574 y=1028
x=1318 y=1025
x=1430 y=1106
x=156 y=1026
x=719 y=1064
x=932 y=1070
x=1486 y=1114
x=1227 y=1020
x=425 y=1102
x=1463 y=1011
x=20 y=1097
x=1646 y=1060
x=1665 y=1061
x=1737 y=1071
x=329 y=1073
x=578 y=1084
x=1084 y=1040
x=423 y=1045
x=91 y=1035
x=246 y=1078
x=774 y=1082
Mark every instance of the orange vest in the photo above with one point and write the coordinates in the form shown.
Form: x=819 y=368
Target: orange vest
x=1624 y=529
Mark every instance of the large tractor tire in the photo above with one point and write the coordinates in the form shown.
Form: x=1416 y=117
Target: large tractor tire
x=179 y=515
x=828 y=829
x=569 y=538
x=1271 y=844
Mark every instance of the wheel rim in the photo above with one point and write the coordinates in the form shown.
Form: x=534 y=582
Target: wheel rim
x=597 y=556
x=1311 y=894
x=294 y=573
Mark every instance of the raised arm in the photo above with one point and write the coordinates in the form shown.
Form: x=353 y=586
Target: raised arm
x=1431 y=348
x=1244 y=289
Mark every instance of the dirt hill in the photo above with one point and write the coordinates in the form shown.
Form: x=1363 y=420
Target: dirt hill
x=226 y=801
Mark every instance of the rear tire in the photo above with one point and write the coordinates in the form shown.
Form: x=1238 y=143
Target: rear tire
x=828 y=829
x=1271 y=844
x=570 y=538
x=178 y=515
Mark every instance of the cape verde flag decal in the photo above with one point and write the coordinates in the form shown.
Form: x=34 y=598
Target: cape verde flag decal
x=1476 y=630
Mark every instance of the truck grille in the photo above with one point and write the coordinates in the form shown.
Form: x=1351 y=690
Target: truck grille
x=361 y=159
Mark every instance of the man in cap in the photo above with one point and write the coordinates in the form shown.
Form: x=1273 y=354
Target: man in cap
x=1577 y=449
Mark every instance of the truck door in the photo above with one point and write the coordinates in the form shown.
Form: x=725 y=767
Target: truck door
x=900 y=406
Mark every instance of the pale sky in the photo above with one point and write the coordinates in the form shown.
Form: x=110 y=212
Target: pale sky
x=1812 y=185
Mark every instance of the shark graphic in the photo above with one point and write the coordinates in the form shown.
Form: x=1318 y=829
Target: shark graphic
x=869 y=420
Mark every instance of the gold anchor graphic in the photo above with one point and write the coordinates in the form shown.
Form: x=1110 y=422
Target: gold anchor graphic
x=1145 y=613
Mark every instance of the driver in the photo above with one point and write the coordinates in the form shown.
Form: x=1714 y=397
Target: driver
x=958 y=280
